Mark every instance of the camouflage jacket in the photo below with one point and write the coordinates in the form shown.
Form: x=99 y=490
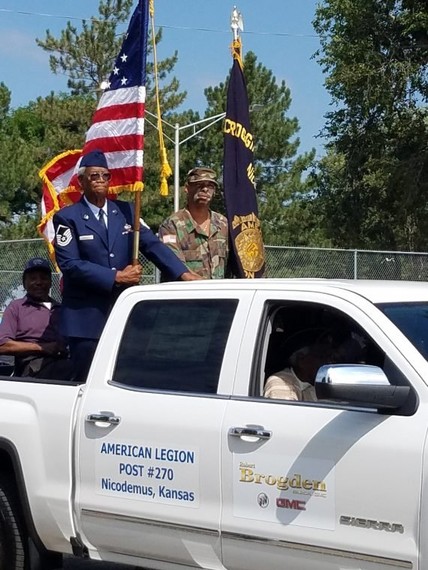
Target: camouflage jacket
x=203 y=252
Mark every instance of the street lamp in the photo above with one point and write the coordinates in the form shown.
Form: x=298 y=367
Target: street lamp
x=203 y=124
x=207 y=122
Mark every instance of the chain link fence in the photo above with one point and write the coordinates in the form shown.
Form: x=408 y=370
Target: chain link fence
x=281 y=261
x=15 y=253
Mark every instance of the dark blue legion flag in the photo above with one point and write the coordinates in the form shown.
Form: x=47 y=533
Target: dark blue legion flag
x=246 y=243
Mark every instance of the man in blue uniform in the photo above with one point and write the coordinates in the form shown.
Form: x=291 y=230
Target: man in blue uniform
x=93 y=247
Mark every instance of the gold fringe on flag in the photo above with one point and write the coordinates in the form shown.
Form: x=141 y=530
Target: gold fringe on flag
x=165 y=171
x=52 y=197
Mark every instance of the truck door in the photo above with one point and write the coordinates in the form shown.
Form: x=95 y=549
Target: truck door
x=315 y=486
x=149 y=433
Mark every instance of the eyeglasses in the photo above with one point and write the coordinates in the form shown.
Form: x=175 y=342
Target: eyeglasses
x=94 y=176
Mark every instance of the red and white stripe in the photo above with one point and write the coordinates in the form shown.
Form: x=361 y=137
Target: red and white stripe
x=118 y=130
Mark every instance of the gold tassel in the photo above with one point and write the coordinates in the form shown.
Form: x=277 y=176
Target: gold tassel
x=165 y=173
x=237 y=51
x=166 y=169
x=163 y=187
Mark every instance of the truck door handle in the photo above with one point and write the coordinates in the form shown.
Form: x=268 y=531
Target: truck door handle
x=258 y=433
x=104 y=418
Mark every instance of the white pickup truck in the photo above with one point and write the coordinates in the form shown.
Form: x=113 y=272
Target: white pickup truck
x=171 y=457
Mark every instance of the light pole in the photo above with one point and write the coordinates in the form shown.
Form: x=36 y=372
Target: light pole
x=203 y=124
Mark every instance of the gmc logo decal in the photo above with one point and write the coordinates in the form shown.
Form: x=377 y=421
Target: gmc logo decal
x=291 y=504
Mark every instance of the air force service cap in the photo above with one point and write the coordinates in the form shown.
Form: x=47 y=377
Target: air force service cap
x=94 y=158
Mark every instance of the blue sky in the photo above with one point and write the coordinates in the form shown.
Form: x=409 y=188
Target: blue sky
x=278 y=31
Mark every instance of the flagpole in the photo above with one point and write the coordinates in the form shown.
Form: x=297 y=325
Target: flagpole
x=136 y=228
x=146 y=9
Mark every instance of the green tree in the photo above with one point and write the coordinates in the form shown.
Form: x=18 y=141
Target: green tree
x=15 y=177
x=87 y=56
x=5 y=98
x=373 y=182
x=29 y=137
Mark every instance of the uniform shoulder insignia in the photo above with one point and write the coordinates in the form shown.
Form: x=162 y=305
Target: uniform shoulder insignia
x=169 y=238
x=63 y=235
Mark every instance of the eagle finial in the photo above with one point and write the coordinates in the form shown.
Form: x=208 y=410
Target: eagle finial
x=236 y=22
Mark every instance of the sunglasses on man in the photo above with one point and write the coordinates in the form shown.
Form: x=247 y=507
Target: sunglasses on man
x=95 y=176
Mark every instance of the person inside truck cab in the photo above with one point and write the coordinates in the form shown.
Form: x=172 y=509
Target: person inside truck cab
x=296 y=381
x=29 y=330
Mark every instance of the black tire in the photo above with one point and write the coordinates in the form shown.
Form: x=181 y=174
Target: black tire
x=12 y=539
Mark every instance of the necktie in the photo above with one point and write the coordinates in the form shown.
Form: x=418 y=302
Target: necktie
x=101 y=217
x=102 y=220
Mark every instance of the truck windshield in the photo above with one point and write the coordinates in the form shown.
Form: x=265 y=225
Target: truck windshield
x=412 y=320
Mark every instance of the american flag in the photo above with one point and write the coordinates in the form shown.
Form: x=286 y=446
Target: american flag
x=117 y=129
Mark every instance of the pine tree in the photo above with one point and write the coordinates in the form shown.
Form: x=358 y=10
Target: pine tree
x=374 y=180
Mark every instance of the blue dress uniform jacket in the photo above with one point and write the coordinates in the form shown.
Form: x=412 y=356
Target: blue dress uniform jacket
x=88 y=259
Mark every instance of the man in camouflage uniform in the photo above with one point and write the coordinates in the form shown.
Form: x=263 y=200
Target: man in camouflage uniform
x=196 y=234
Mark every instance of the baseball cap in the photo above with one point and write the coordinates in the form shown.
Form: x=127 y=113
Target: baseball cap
x=37 y=263
x=94 y=158
x=201 y=174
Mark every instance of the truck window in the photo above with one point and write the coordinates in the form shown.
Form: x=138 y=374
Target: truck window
x=412 y=320
x=295 y=327
x=175 y=345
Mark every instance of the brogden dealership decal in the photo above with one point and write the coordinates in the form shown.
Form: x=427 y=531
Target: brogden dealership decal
x=284 y=490
x=148 y=472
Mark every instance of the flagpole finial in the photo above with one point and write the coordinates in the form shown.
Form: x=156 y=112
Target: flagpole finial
x=236 y=23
